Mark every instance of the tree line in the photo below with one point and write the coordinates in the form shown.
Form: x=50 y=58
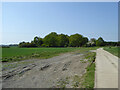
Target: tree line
x=61 y=40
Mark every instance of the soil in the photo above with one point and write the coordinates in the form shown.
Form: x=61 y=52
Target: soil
x=58 y=71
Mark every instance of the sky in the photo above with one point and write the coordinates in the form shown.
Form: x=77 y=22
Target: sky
x=22 y=21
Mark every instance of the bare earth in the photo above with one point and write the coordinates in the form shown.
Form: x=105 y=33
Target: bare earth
x=46 y=73
x=106 y=70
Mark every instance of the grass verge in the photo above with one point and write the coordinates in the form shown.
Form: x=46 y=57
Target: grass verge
x=114 y=50
x=89 y=76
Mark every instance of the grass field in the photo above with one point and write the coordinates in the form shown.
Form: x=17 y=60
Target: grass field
x=113 y=50
x=16 y=54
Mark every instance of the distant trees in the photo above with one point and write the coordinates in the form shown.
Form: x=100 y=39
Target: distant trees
x=5 y=46
x=27 y=44
x=118 y=43
x=13 y=45
x=91 y=42
x=77 y=40
x=100 y=42
x=112 y=44
x=85 y=40
x=61 y=40
x=37 y=41
x=51 y=40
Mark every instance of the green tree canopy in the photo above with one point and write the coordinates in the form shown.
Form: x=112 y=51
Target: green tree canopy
x=63 y=40
x=51 y=39
x=75 y=40
x=38 y=41
x=84 y=41
x=100 y=42
x=92 y=42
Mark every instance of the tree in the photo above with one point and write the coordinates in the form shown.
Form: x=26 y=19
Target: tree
x=21 y=44
x=111 y=43
x=75 y=40
x=38 y=41
x=63 y=40
x=118 y=43
x=92 y=42
x=51 y=40
x=27 y=44
x=84 y=41
x=100 y=42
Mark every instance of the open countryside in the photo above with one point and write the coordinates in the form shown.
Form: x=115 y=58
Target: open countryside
x=60 y=45
x=76 y=63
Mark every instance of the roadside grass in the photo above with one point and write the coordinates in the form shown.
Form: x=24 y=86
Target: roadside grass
x=16 y=54
x=89 y=76
x=114 y=50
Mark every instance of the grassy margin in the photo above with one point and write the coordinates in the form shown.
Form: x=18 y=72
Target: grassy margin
x=113 y=50
x=89 y=76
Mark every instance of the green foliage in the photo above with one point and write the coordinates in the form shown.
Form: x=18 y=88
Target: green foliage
x=27 y=44
x=51 y=40
x=56 y=40
x=100 y=42
x=84 y=41
x=77 y=40
x=63 y=40
x=38 y=41
x=92 y=42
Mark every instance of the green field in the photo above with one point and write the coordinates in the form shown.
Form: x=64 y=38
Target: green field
x=16 y=54
x=113 y=50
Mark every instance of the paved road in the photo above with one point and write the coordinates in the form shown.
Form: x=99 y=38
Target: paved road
x=106 y=75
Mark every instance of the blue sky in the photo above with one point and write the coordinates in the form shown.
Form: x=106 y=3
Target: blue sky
x=23 y=21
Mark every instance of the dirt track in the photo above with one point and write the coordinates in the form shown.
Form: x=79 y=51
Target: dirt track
x=106 y=70
x=58 y=71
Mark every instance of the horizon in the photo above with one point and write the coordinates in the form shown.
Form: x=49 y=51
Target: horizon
x=58 y=34
x=24 y=20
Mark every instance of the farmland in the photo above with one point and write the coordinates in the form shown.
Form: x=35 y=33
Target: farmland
x=75 y=64
x=16 y=54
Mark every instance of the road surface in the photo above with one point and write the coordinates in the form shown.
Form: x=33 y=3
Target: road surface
x=106 y=75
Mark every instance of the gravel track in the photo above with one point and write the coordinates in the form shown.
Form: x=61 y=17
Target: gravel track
x=46 y=73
